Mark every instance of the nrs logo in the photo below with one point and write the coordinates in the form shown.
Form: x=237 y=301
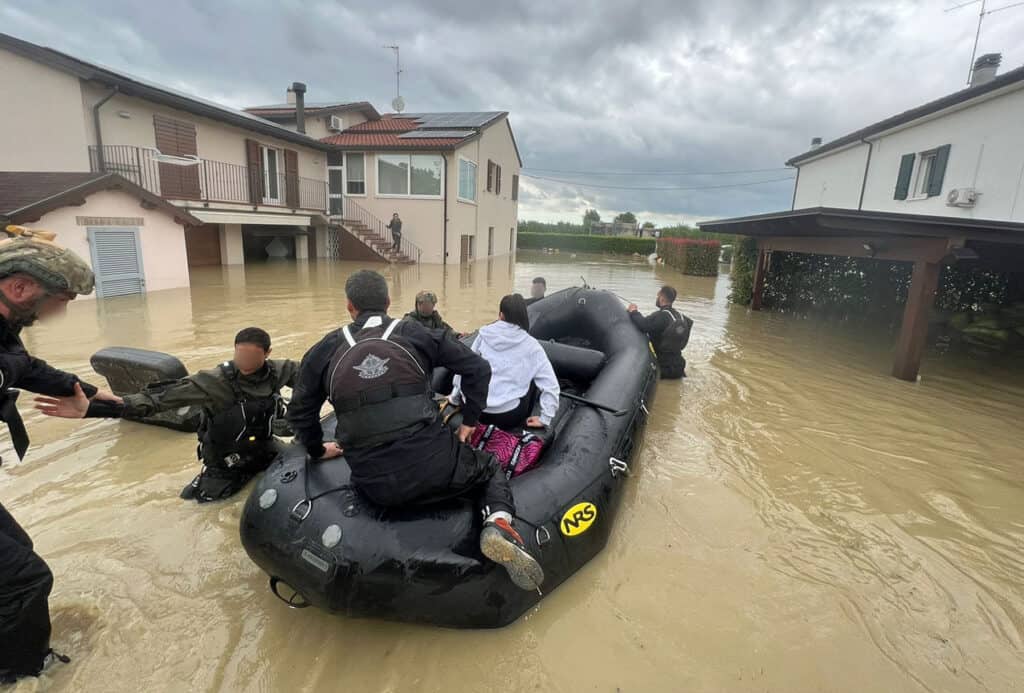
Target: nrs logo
x=578 y=518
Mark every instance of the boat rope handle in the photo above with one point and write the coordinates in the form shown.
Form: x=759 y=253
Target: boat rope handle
x=618 y=467
x=537 y=536
x=292 y=604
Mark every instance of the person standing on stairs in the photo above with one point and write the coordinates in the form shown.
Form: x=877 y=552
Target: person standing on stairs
x=395 y=225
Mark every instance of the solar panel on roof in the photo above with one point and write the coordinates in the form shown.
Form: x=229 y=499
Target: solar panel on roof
x=423 y=134
x=454 y=120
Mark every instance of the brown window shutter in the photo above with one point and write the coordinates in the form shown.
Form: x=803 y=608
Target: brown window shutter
x=515 y=187
x=291 y=178
x=497 y=179
x=177 y=138
x=490 y=175
x=255 y=165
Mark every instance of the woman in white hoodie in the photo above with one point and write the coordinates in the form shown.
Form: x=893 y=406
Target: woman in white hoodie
x=518 y=362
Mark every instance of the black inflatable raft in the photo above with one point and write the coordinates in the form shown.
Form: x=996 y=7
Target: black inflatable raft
x=306 y=526
x=129 y=370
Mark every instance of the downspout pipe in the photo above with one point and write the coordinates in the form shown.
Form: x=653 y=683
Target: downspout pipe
x=100 y=159
x=867 y=165
x=444 y=225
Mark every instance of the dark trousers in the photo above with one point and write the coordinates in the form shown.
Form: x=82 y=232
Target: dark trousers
x=516 y=418
x=397 y=241
x=25 y=584
x=429 y=467
x=674 y=369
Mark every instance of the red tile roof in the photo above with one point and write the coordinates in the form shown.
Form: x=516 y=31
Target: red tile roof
x=386 y=124
x=387 y=140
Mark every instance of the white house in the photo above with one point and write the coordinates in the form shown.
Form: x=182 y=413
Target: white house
x=940 y=183
x=960 y=156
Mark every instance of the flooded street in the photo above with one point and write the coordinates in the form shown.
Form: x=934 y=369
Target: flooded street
x=798 y=520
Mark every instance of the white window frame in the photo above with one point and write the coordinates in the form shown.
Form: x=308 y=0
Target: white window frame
x=923 y=163
x=476 y=181
x=408 y=176
x=278 y=161
x=344 y=185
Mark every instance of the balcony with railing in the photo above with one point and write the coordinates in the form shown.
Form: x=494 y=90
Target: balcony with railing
x=203 y=180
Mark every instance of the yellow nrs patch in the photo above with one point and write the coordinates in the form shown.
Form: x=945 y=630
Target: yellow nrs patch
x=578 y=518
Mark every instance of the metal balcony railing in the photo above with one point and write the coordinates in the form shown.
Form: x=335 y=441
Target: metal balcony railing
x=208 y=181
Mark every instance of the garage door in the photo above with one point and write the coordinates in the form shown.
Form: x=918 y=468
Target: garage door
x=117 y=261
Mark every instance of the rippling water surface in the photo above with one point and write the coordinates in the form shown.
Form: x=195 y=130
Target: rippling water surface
x=798 y=520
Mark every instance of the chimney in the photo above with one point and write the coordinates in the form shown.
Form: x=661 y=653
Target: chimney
x=815 y=142
x=298 y=92
x=985 y=68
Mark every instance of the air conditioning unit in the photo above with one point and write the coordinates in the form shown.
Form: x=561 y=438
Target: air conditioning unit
x=336 y=123
x=962 y=197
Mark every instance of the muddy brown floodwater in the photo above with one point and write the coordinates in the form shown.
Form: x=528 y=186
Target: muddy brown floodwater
x=798 y=520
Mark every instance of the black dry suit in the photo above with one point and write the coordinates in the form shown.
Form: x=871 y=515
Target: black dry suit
x=669 y=332
x=379 y=390
x=237 y=442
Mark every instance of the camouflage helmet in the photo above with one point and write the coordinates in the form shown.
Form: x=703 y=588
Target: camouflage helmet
x=31 y=252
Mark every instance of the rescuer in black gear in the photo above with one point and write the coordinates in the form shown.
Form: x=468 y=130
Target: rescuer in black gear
x=241 y=402
x=375 y=373
x=669 y=332
x=37 y=280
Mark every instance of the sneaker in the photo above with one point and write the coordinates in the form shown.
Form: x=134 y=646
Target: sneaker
x=503 y=545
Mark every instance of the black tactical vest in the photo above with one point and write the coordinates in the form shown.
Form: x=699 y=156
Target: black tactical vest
x=378 y=389
x=247 y=423
x=669 y=346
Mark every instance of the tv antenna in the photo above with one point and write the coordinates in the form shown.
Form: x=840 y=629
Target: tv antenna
x=982 y=13
x=398 y=103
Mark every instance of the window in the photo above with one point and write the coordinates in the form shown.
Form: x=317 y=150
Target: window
x=425 y=174
x=355 y=174
x=515 y=187
x=271 y=176
x=490 y=241
x=512 y=238
x=467 y=180
x=416 y=175
x=490 y=175
x=921 y=175
x=497 y=179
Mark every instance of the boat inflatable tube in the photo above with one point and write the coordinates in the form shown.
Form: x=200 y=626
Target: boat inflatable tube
x=307 y=527
x=129 y=370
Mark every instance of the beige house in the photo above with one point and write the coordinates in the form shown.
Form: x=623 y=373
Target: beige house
x=134 y=240
x=453 y=178
x=252 y=186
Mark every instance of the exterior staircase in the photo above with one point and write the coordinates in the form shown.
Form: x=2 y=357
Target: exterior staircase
x=380 y=245
x=374 y=234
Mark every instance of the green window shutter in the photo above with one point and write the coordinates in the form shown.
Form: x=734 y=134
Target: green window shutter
x=938 y=171
x=903 y=180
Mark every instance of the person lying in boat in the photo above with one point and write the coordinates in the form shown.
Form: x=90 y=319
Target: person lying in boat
x=240 y=399
x=426 y=314
x=375 y=372
x=668 y=330
x=519 y=368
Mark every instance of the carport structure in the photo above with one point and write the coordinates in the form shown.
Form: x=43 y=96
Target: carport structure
x=927 y=242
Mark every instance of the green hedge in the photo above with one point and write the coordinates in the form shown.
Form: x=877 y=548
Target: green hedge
x=593 y=244
x=743 y=261
x=691 y=256
x=845 y=287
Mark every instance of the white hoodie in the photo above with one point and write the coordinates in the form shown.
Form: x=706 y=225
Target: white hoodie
x=516 y=359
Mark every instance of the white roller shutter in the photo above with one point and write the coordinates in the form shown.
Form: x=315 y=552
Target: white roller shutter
x=117 y=261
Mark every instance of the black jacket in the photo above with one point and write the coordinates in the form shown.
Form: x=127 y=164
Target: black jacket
x=19 y=369
x=431 y=348
x=655 y=324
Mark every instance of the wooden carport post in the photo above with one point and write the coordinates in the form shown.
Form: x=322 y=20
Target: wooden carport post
x=914 y=331
x=760 y=270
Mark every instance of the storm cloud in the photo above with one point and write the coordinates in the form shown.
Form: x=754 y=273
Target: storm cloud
x=592 y=87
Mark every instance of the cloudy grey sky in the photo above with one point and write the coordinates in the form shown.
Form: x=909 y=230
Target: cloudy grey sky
x=592 y=86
